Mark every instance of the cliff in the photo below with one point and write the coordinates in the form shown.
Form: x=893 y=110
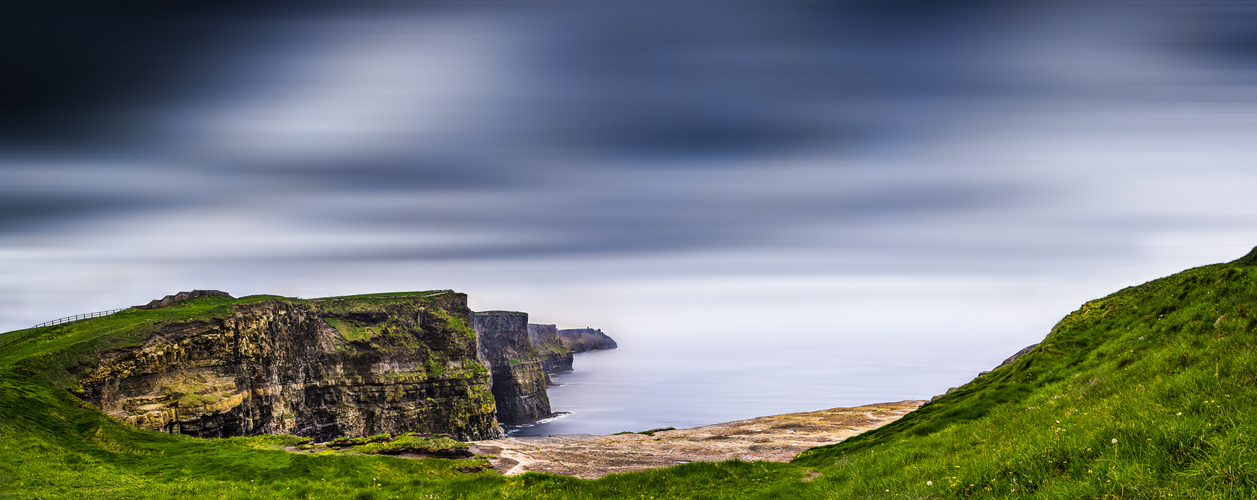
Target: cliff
x=585 y=339
x=555 y=357
x=350 y=366
x=519 y=381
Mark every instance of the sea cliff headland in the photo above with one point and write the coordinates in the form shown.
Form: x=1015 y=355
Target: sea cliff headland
x=354 y=366
x=585 y=339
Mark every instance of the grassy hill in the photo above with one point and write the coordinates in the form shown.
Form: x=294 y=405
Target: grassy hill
x=1148 y=393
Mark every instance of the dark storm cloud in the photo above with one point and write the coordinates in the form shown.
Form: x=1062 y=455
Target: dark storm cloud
x=41 y=212
x=565 y=148
x=46 y=197
x=67 y=60
x=645 y=79
x=632 y=77
x=574 y=127
x=646 y=219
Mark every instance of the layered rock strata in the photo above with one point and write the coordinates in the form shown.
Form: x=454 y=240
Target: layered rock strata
x=519 y=380
x=350 y=366
x=555 y=357
x=585 y=339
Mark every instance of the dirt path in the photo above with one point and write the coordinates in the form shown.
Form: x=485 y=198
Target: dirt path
x=777 y=438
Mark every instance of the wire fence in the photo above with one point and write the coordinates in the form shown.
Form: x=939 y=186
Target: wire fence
x=77 y=317
x=9 y=338
x=14 y=336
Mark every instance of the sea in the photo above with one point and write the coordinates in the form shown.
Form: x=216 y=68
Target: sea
x=642 y=387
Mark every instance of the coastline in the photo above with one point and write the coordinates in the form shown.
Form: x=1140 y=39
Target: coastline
x=775 y=438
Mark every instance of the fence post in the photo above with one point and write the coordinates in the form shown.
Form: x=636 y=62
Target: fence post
x=76 y=317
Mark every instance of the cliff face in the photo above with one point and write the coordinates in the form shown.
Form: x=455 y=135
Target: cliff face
x=519 y=381
x=555 y=357
x=585 y=339
x=321 y=368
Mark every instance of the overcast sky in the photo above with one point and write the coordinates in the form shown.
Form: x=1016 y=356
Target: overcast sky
x=944 y=179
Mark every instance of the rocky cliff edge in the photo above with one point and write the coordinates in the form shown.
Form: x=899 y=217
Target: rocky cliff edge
x=323 y=368
x=519 y=380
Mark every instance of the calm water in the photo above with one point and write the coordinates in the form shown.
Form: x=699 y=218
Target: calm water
x=640 y=387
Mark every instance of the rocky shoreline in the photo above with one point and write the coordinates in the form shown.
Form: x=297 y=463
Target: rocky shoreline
x=776 y=438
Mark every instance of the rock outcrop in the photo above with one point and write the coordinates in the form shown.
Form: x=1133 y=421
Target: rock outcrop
x=585 y=339
x=555 y=357
x=182 y=296
x=519 y=381
x=350 y=366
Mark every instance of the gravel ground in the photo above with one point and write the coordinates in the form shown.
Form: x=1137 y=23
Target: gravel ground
x=776 y=438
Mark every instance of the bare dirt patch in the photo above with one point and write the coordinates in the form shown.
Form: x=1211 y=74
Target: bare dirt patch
x=777 y=438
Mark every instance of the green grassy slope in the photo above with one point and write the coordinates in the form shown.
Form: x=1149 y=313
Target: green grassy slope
x=1148 y=393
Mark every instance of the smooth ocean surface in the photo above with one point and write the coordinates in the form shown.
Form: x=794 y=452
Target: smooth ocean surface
x=638 y=387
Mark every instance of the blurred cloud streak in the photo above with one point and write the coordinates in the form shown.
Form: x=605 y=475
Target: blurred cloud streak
x=546 y=153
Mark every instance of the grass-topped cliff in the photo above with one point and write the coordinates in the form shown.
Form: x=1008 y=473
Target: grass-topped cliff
x=1148 y=393
x=320 y=368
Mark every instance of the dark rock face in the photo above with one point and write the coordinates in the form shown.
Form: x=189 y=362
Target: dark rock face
x=321 y=369
x=555 y=357
x=519 y=381
x=585 y=339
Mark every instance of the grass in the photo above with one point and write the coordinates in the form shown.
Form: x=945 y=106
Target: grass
x=414 y=444
x=351 y=330
x=1147 y=393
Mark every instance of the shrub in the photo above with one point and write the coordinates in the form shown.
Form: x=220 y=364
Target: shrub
x=442 y=446
x=342 y=442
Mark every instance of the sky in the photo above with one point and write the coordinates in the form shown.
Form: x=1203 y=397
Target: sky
x=931 y=181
